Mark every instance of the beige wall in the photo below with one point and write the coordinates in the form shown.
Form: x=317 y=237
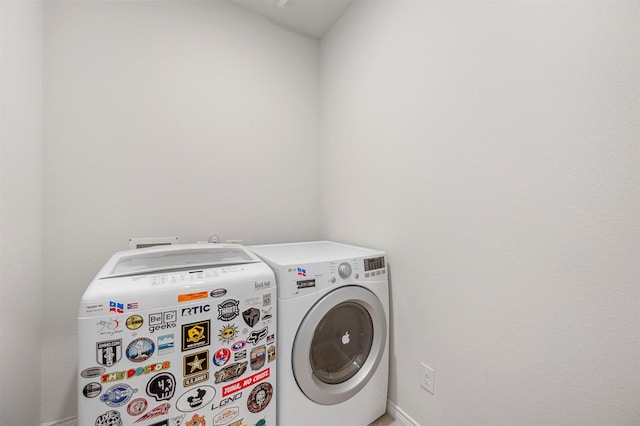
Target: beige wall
x=20 y=211
x=492 y=149
x=166 y=119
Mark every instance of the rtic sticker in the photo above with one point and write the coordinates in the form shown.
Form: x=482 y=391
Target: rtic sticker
x=227 y=333
x=118 y=395
x=195 y=335
x=190 y=297
x=195 y=310
x=196 y=398
x=228 y=310
x=162 y=386
x=246 y=382
x=256 y=336
x=109 y=352
x=140 y=349
x=260 y=397
x=230 y=372
x=251 y=316
x=110 y=418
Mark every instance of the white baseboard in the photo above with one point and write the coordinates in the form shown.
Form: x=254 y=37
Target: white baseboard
x=71 y=421
x=399 y=414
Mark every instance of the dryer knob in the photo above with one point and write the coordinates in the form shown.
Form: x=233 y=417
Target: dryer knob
x=344 y=270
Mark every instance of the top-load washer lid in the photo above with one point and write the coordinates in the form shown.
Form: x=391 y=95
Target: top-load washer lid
x=142 y=261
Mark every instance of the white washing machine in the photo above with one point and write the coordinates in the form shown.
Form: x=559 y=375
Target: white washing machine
x=333 y=354
x=179 y=335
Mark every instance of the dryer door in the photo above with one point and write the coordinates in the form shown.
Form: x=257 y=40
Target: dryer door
x=339 y=345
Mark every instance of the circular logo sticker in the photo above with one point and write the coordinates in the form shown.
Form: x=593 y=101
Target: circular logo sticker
x=93 y=372
x=137 y=406
x=110 y=418
x=91 y=390
x=221 y=357
x=196 y=398
x=140 y=349
x=240 y=344
x=218 y=292
x=227 y=333
x=260 y=397
x=118 y=395
x=134 y=322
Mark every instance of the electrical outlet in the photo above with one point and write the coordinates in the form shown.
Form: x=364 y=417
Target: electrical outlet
x=426 y=377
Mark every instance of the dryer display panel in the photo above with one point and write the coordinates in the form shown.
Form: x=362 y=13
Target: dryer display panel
x=374 y=263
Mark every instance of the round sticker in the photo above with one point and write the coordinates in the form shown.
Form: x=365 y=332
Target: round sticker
x=118 y=395
x=238 y=345
x=221 y=357
x=196 y=398
x=110 y=418
x=260 y=397
x=134 y=322
x=91 y=390
x=227 y=333
x=140 y=349
x=93 y=372
x=137 y=406
x=219 y=292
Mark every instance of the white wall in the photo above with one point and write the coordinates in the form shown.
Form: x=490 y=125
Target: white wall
x=492 y=149
x=167 y=119
x=20 y=211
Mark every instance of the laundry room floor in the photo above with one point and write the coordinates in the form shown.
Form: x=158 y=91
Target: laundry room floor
x=386 y=420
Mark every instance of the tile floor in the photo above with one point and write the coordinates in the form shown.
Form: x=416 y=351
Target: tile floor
x=386 y=420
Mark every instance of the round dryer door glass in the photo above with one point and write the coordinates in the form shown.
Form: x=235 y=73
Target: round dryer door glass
x=341 y=343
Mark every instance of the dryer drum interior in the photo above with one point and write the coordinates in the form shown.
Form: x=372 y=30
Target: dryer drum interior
x=339 y=345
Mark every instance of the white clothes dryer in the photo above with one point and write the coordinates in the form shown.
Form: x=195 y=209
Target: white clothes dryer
x=333 y=354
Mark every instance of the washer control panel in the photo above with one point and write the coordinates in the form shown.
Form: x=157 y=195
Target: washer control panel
x=344 y=270
x=357 y=268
